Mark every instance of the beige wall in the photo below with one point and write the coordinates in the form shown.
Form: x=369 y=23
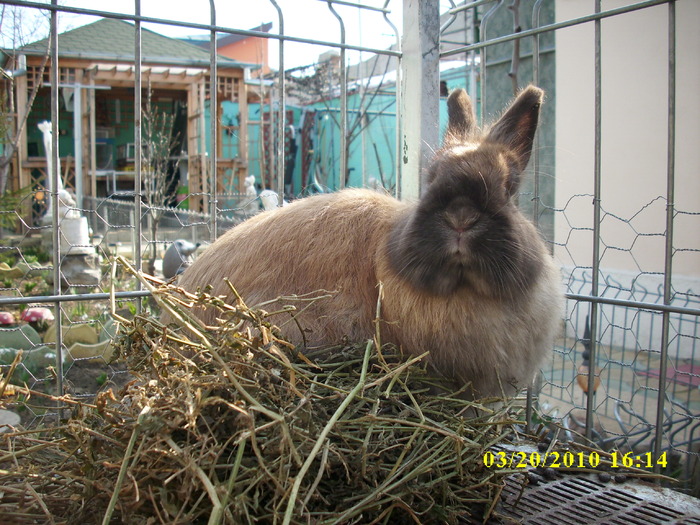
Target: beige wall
x=634 y=131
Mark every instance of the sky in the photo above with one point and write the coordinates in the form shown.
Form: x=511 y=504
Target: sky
x=310 y=19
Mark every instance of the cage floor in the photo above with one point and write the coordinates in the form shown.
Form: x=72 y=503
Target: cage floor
x=583 y=500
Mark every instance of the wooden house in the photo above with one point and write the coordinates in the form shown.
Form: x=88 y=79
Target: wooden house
x=97 y=110
x=252 y=49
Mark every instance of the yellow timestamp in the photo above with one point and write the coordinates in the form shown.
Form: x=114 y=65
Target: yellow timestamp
x=571 y=460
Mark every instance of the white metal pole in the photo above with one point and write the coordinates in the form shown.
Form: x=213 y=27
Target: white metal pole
x=420 y=89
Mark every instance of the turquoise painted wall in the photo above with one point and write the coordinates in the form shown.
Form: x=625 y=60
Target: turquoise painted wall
x=256 y=147
x=372 y=157
x=371 y=125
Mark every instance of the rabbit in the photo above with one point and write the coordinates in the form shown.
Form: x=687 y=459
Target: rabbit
x=464 y=274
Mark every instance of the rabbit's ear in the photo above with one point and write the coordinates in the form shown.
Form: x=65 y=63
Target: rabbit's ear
x=516 y=128
x=462 y=122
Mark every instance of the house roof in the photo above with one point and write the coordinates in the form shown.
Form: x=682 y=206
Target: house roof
x=112 y=39
x=225 y=39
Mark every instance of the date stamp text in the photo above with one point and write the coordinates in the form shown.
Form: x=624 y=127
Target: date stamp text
x=512 y=459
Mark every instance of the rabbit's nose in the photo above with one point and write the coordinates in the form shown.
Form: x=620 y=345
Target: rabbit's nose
x=462 y=224
x=461 y=217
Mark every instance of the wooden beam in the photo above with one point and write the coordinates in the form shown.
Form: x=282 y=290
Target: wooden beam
x=204 y=182
x=243 y=133
x=21 y=100
x=92 y=137
x=194 y=171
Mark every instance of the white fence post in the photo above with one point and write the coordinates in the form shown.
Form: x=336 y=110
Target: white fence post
x=420 y=90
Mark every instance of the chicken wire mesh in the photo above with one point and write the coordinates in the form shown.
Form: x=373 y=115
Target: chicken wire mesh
x=622 y=225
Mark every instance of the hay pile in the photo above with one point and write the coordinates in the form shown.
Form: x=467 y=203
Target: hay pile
x=231 y=425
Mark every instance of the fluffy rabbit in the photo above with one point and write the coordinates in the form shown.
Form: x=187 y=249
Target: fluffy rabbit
x=465 y=275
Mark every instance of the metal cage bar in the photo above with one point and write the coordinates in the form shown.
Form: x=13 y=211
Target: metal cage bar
x=213 y=126
x=281 y=120
x=55 y=174
x=138 y=136
x=670 y=213
x=597 y=188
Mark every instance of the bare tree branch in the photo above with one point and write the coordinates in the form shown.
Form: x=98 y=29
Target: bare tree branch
x=13 y=133
x=159 y=160
x=320 y=83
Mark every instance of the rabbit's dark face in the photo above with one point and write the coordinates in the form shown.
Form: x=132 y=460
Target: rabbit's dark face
x=466 y=231
x=468 y=205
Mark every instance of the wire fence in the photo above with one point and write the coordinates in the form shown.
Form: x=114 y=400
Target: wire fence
x=630 y=259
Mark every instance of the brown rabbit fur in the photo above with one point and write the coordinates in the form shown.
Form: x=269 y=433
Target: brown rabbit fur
x=464 y=274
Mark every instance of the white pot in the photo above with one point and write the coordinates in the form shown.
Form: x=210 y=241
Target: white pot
x=75 y=236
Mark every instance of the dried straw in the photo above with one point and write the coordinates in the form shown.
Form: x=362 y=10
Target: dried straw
x=229 y=424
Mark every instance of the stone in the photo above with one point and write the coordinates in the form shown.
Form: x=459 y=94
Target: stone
x=8 y=419
x=22 y=337
x=78 y=333
x=81 y=269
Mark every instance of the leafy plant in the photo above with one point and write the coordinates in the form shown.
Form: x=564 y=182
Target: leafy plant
x=8 y=257
x=36 y=254
x=10 y=202
x=101 y=379
x=79 y=311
